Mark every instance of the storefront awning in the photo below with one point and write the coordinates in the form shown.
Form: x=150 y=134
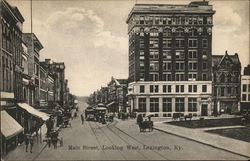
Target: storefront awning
x=33 y=111
x=9 y=126
x=110 y=104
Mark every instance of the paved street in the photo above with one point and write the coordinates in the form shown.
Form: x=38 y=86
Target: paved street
x=121 y=140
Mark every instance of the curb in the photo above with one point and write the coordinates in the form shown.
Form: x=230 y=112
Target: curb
x=202 y=143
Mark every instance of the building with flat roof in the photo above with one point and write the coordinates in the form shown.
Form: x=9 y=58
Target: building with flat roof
x=245 y=90
x=170 y=44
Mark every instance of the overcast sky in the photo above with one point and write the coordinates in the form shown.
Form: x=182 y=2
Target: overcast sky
x=91 y=36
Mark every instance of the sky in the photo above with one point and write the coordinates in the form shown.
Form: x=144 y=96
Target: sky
x=90 y=36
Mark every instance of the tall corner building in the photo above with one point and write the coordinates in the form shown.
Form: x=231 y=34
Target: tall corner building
x=170 y=58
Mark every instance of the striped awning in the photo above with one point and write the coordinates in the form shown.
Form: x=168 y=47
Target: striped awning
x=34 y=111
x=9 y=126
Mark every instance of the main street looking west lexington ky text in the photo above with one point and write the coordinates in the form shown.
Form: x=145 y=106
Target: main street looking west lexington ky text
x=124 y=80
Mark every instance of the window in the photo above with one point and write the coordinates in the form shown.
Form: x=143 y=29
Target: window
x=142 y=105
x=166 y=88
x=204 y=43
x=179 y=104
x=192 y=54
x=179 y=54
x=167 y=66
x=222 y=91
x=153 y=43
x=192 y=43
x=154 y=104
x=167 y=43
x=154 y=88
x=142 y=89
x=167 y=77
x=204 y=77
x=192 y=65
x=192 y=88
x=141 y=76
x=200 y=20
x=167 y=32
x=153 y=77
x=192 y=76
x=204 y=65
x=244 y=97
x=204 y=88
x=195 y=20
x=179 y=43
x=179 y=32
x=154 y=66
x=248 y=87
x=153 y=54
x=141 y=19
x=169 y=20
x=164 y=21
x=209 y=20
x=229 y=90
x=166 y=54
x=167 y=104
x=179 y=66
x=244 y=89
x=193 y=32
x=248 y=97
x=192 y=104
x=141 y=43
x=154 y=33
x=179 y=77
x=179 y=88
x=142 y=65
x=157 y=20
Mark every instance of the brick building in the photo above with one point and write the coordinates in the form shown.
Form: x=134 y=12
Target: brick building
x=11 y=23
x=170 y=44
x=34 y=47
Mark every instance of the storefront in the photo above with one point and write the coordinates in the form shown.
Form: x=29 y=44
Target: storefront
x=10 y=130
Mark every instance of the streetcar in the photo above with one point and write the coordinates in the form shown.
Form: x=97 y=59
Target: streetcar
x=96 y=113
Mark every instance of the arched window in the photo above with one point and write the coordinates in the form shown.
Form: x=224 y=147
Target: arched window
x=154 y=32
x=193 y=32
x=180 y=32
x=167 y=32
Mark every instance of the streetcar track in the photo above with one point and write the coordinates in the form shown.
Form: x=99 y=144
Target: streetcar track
x=109 y=138
x=97 y=139
x=139 y=141
x=126 y=141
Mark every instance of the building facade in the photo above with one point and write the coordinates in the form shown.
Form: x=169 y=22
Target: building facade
x=11 y=23
x=34 y=47
x=226 y=83
x=170 y=44
x=245 y=90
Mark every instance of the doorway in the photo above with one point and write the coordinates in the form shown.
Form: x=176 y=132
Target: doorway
x=204 y=110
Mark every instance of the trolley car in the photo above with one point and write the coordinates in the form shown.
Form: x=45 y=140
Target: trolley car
x=96 y=113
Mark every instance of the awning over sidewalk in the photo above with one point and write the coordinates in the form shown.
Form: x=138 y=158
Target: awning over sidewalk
x=110 y=104
x=9 y=126
x=33 y=111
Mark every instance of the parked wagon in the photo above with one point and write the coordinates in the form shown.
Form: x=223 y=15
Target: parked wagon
x=143 y=125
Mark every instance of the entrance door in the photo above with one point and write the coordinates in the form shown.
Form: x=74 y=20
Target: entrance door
x=204 y=110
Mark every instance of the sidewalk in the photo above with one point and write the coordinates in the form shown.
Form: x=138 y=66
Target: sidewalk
x=19 y=153
x=199 y=135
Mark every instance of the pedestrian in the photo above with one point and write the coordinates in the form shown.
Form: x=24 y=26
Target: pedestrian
x=27 y=141
x=31 y=141
x=82 y=118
